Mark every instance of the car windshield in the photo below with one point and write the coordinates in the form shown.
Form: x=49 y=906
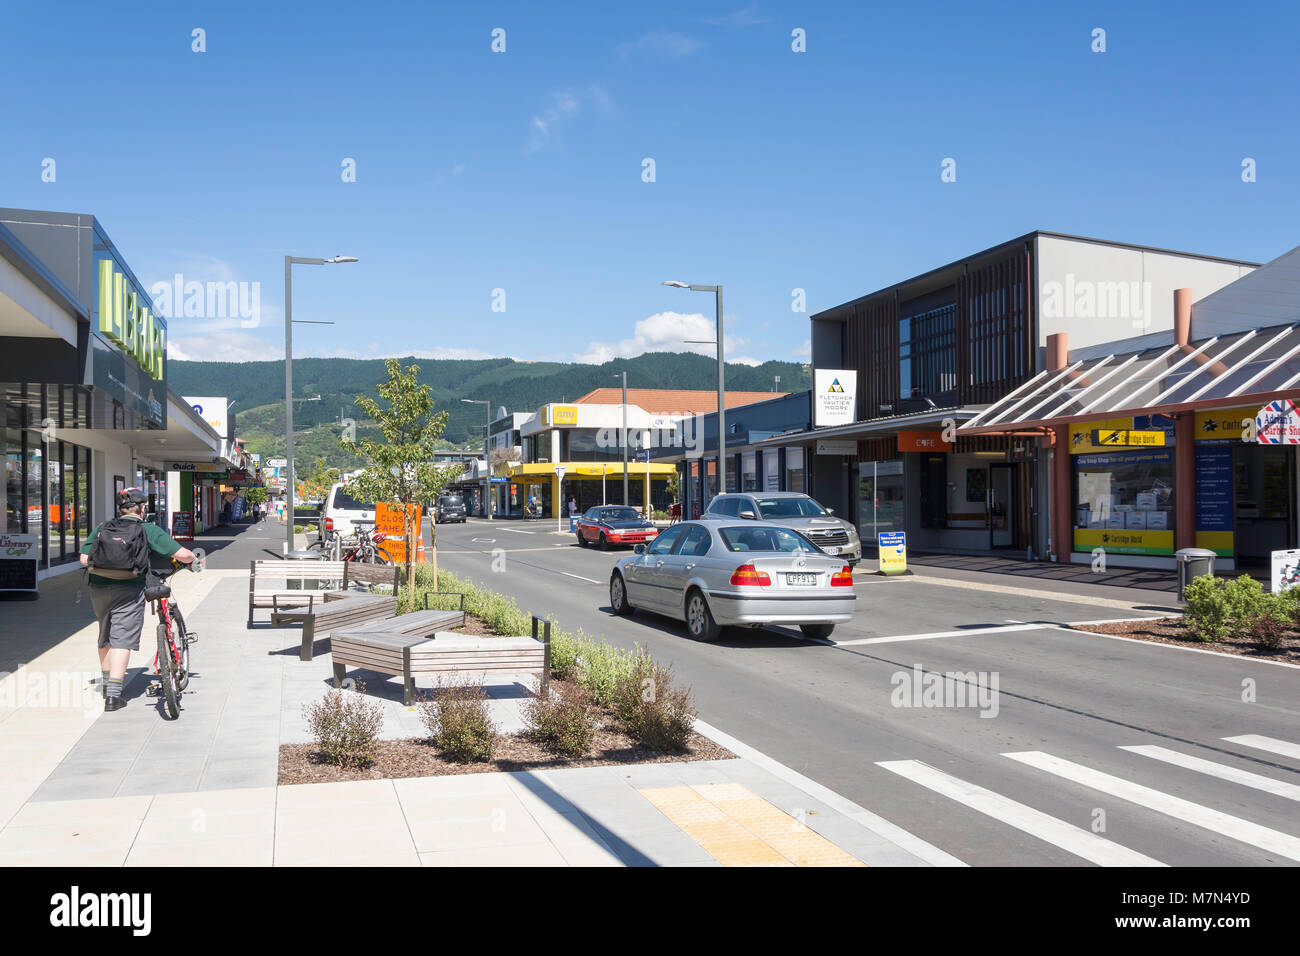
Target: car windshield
x=618 y=514
x=450 y=501
x=789 y=508
x=778 y=540
x=345 y=502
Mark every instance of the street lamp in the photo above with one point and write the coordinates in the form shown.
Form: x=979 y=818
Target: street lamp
x=616 y=375
x=487 y=473
x=289 y=263
x=722 y=391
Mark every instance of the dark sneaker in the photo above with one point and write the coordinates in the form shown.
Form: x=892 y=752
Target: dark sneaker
x=113 y=703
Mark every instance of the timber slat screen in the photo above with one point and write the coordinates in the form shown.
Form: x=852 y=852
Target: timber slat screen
x=993 y=341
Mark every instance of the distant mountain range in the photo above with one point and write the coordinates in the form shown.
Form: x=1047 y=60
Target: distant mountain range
x=257 y=388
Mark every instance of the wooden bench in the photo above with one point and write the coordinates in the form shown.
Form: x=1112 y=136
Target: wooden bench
x=339 y=609
x=392 y=652
x=270 y=583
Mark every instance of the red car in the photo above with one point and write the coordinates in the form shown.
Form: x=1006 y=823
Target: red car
x=614 y=524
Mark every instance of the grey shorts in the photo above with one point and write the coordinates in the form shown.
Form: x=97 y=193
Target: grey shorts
x=120 y=609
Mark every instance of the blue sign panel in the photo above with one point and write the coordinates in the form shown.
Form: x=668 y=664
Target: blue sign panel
x=1214 y=488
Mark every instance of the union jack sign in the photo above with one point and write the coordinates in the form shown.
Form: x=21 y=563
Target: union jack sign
x=1278 y=423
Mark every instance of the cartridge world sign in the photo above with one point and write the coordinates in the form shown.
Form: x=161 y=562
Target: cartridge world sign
x=835 y=396
x=130 y=348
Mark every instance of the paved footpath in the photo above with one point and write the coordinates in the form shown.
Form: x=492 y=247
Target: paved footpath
x=129 y=788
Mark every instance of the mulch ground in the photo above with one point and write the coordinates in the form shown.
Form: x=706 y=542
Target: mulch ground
x=1170 y=630
x=300 y=763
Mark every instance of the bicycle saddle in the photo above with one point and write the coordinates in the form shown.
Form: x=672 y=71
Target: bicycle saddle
x=157 y=592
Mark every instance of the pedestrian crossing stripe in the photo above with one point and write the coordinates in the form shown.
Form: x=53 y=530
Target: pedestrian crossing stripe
x=1264 y=838
x=1282 y=747
x=1232 y=774
x=1067 y=836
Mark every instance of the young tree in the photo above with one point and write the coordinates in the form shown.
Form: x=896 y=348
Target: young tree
x=400 y=468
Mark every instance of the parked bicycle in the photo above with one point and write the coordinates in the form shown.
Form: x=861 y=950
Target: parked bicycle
x=172 y=662
x=362 y=547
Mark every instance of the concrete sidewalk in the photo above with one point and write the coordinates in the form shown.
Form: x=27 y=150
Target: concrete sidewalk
x=129 y=788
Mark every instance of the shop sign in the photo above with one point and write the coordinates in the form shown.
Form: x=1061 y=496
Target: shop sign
x=1214 y=499
x=922 y=441
x=835 y=396
x=829 y=446
x=19 y=554
x=1115 y=541
x=205 y=467
x=1286 y=570
x=1278 y=423
x=213 y=410
x=1224 y=425
x=1082 y=434
x=126 y=320
x=561 y=415
x=1125 y=437
x=893 y=552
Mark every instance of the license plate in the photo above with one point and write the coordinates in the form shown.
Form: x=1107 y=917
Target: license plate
x=801 y=580
x=834 y=550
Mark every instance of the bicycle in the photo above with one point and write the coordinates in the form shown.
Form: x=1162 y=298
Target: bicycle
x=358 y=546
x=172 y=662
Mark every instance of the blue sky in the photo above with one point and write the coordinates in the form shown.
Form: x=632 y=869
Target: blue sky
x=522 y=170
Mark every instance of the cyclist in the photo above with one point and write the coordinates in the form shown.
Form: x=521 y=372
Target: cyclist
x=116 y=556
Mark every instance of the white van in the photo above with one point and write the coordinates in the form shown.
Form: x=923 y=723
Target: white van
x=341 y=510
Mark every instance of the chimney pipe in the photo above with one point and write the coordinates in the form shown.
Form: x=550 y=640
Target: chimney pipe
x=1058 y=351
x=1182 y=316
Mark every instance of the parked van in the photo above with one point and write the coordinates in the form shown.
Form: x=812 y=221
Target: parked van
x=449 y=508
x=341 y=511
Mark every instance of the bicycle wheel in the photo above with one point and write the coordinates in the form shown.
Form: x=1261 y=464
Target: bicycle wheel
x=167 y=674
x=379 y=556
x=183 y=645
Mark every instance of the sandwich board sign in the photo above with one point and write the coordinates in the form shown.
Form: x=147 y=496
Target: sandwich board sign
x=19 y=554
x=893 y=552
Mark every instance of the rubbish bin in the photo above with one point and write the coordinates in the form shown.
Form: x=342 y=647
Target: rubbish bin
x=1192 y=563
x=573 y=522
x=309 y=584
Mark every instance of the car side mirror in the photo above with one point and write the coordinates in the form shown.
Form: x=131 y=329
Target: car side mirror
x=639 y=549
x=830 y=511
x=749 y=514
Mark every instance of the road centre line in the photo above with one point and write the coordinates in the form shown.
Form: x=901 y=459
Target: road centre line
x=579 y=577
x=1002 y=629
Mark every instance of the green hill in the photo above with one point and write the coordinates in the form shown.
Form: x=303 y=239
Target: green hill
x=258 y=389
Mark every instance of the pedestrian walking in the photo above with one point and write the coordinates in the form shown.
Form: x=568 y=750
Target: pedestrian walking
x=573 y=506
x=116 y=556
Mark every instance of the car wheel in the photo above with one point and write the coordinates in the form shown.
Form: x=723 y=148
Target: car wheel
x=618 y=595
x=818 y=632
x=582 y=540
x=604 y=545
x=699 y=619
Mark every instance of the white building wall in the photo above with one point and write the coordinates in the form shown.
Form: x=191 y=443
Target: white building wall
x=1101 y=293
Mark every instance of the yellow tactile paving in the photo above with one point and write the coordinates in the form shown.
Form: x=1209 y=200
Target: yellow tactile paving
x=740 y=828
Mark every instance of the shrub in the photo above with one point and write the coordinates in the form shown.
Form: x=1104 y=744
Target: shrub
x=1269 y=627
x=600 y=667
x=346 y=726
x=1246 y=601
x=560 y=719
x=651 y=710
x=1206 y=614
x=459 y=720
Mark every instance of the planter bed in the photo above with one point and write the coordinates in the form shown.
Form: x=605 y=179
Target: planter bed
x=1170 y=630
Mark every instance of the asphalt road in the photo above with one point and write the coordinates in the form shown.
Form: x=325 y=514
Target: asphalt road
x=1065 y=703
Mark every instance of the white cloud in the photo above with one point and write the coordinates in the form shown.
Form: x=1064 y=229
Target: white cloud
x=663 y=43
x=740 y=18
x=666 y=332
x=805 y=350
x=223 y=347
x=563 y=106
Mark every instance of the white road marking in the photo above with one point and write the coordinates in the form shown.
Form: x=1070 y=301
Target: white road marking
x=1177 y=647
x=1008 y=629
x=579 y=577
x=1274 y=746
x=518 y=531
x=1067 y=836
x=1244 y=777
x=484 y=540
x=1269 y=840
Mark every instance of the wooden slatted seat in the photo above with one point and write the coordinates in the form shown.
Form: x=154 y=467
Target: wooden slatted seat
x=279 y=584
x=408 y=655
x=338 y=610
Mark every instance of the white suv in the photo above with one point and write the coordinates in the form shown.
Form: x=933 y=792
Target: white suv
x=341 y=511
x=795 y=510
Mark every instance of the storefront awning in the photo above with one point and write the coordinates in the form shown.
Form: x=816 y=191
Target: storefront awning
x=586 y=469
x=1244 y=368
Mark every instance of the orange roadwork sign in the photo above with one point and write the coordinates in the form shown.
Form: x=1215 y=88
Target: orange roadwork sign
x=389 y=522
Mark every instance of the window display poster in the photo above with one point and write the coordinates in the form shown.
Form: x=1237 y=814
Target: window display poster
x=1214 y=499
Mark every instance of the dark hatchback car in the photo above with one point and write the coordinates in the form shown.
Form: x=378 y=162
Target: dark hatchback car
x=449 y=508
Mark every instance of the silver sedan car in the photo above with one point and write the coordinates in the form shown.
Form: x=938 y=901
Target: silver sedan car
x=715 y=573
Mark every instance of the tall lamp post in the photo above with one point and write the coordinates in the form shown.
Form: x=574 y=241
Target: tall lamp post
x=624 y=442
x=722 y=390
x=487 y=467
x=289 y=262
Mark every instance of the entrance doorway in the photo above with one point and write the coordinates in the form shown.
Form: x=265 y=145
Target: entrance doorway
x=1263 y=479
x=1002 y=510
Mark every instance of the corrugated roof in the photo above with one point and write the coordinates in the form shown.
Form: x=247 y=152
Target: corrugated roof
x=665 y=401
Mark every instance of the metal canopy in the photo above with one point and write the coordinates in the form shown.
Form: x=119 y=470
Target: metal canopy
x=1246 y=365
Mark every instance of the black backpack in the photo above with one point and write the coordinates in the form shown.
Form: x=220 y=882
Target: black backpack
x=120 y=546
